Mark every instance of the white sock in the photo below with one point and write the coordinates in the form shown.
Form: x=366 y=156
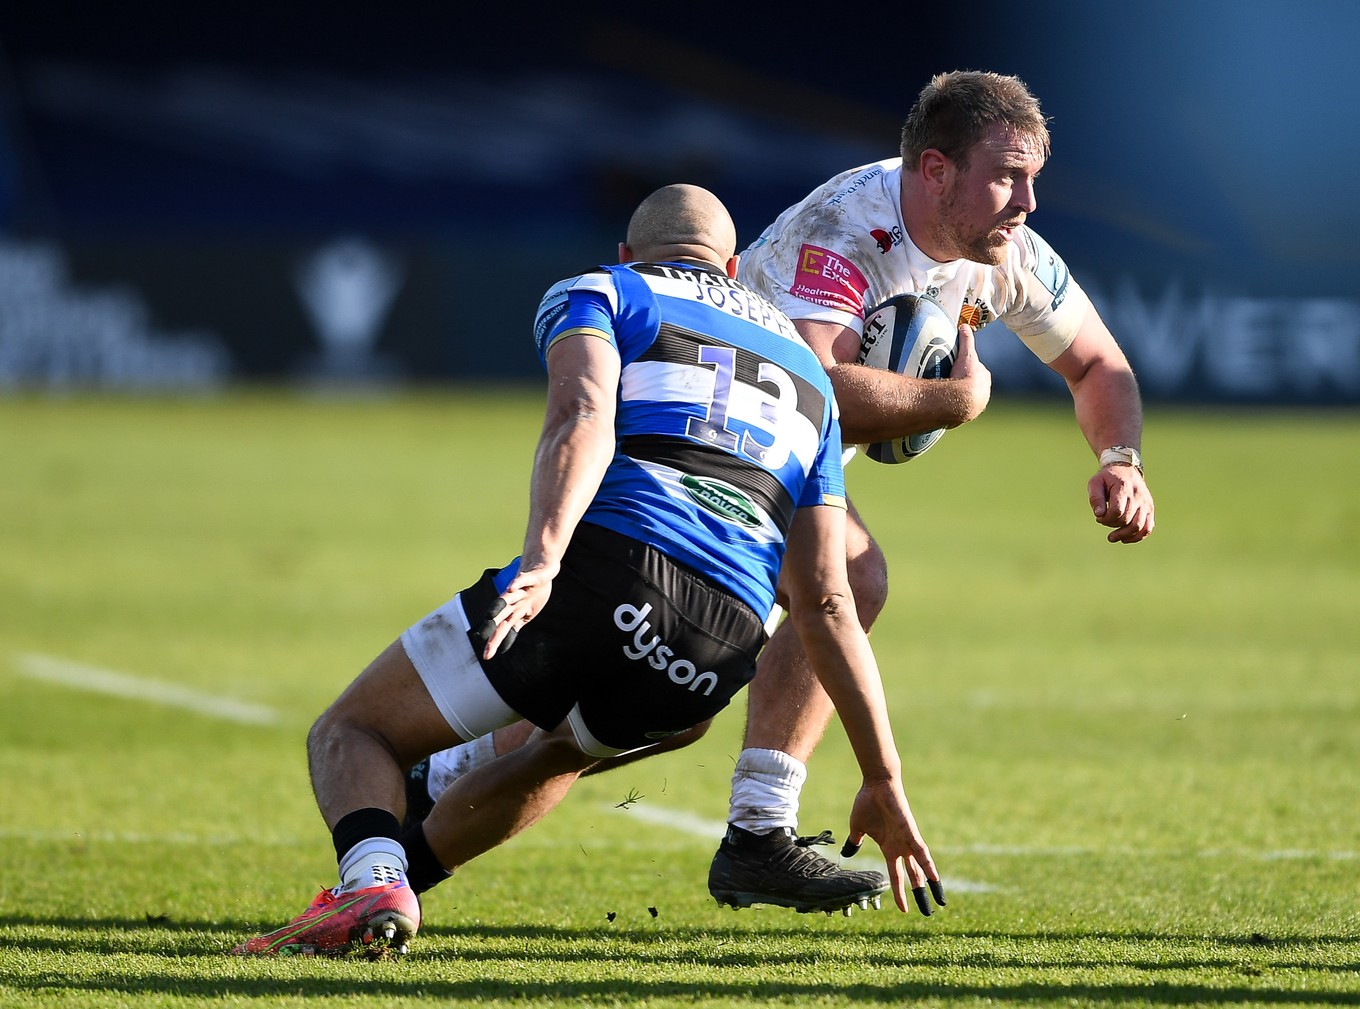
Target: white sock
x=447 y=766
x=373 y=862
x=765 y=790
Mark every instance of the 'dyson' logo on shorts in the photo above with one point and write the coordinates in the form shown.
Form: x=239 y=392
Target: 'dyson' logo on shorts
x=631 y=620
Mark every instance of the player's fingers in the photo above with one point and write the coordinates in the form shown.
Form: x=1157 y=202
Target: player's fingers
x=486 y=630
x=918 y=893
x=1134 y=532
x=1099 y=497
x=1125 y=533
x=965 y=352
x=1146 y=530
x=851 y=848
x=1118 y=505
x=503 y=635
x=1136 y=524
x=937 y=890
x=925 y=880
x=502 y=626
x=930 y=872
x=897 y=883
x=935 y=886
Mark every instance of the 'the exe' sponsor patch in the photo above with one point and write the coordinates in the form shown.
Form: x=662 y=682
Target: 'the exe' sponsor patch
x=825 y=278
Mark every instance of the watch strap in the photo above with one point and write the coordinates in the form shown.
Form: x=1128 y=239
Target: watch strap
x=1121 y=455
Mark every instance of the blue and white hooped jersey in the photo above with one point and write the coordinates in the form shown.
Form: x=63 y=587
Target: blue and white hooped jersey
x=726 y=419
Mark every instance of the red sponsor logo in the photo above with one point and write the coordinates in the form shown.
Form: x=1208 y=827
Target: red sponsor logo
x=825 y=278
x=884 y=240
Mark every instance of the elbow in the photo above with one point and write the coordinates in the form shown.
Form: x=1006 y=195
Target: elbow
x=580 y=413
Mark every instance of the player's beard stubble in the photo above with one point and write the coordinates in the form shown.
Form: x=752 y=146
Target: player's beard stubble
x=966 y=240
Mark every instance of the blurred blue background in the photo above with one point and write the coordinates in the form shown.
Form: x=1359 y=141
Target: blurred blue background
x=313 y=194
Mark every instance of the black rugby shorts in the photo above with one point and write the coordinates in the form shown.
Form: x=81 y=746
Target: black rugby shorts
x=642 y=644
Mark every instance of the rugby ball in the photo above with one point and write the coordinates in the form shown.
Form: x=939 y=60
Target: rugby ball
x=910 y=334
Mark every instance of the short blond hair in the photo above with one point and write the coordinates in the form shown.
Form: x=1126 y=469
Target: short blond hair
x=956 y=109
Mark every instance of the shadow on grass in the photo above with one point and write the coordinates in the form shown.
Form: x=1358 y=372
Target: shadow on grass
x=684 y=951
x=627 y=991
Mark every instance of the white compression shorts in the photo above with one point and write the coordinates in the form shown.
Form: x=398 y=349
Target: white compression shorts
x=439 y=649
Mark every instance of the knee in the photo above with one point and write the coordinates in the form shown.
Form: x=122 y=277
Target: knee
x=325 y=729
x=337 y=728
x=868 y=571
x=329 y=734
x=557 y=753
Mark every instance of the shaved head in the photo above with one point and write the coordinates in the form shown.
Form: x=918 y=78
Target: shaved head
x=682 y=222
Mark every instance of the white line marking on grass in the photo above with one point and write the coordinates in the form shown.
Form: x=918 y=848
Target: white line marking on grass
x=134 y=837
x=697 y=826
x=710 y=830
x=1288 y=855
x=1066 y=851
x=105 y=681
x=676 y=819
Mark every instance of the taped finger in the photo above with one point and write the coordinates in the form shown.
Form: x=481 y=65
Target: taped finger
x=922 y=901
x=937 y=888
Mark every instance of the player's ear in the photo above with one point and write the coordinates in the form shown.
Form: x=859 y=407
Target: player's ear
x=732 y=267
x=934 y=168
x=625 y=253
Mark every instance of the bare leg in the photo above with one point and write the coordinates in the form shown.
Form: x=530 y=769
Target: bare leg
x=453 y=764
x=358 y=751
x=788 y=710
x=512 y=736
x=495 y=801
x=675 y=742
x=360 y=748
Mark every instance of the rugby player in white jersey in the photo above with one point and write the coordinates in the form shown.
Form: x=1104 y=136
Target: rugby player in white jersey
x=947 y=220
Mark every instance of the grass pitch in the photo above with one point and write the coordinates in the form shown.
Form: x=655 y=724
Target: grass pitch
x=1138 y=767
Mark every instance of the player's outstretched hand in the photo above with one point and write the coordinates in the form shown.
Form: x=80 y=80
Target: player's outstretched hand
x=522 y=600
x=881 y=811
x=1120 y=499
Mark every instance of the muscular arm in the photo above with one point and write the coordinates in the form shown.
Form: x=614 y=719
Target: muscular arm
x=575 y=446
x=822 y=609
x=877 y=405
x=1109 y=412
x=574 y=450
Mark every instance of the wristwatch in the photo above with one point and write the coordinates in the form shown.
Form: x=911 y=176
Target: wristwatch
x=1121 y=455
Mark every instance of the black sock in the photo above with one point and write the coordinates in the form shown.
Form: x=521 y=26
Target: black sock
x=362 y=824
x=423 y=870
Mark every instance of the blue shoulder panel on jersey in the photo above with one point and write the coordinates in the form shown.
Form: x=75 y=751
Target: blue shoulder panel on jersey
x=1048 y=266
x=552 y=309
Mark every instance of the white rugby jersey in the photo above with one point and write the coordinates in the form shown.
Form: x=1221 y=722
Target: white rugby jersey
x=843 y=250
x=726 y=419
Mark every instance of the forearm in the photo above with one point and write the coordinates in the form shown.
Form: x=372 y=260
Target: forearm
x=843 y=661
x=572 y=455
x=1108 y=406
x=877 y=404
